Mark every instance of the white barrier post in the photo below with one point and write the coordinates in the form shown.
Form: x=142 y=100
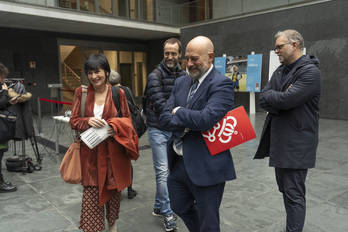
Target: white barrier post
x=252 y=99
x=252 y=103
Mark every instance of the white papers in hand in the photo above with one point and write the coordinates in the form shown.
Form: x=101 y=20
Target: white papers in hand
x=93 y=136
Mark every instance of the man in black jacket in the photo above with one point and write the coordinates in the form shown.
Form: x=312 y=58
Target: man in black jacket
x=290 y=133
x=159 y=89
x=115 y=80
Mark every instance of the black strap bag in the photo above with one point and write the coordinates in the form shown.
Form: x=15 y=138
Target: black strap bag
x=7 y=125
x=137 y=115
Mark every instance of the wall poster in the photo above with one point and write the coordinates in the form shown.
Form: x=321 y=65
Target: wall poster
x=220 y=64
x=254 y=73
x=244 y=71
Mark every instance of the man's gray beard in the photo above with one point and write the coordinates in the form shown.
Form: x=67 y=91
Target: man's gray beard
x=199 y=74
x=194 y=76
x=173 y=66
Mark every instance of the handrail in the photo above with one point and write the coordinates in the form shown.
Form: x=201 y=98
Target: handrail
x=72 y=71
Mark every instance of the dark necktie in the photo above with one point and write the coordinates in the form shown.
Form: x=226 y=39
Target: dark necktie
x=192 y=92
x=178 y=142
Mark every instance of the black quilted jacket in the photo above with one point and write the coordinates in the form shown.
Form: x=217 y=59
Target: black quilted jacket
x=160 y=92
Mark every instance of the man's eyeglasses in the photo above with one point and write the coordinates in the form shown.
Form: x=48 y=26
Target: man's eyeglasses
x=278 y=47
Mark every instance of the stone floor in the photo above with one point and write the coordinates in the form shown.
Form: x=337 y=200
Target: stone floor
x=45 y=203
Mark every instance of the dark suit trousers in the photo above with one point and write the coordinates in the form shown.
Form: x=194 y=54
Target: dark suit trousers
x=197 y=206
x=291 y=183
x=1 y=155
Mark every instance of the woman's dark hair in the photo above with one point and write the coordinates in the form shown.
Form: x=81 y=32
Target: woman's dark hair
x=97 y=61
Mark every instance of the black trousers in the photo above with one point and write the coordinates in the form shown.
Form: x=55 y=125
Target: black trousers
x=1 y=155
x=291 y=183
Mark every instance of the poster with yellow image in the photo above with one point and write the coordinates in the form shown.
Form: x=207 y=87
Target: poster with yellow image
x=236 y=70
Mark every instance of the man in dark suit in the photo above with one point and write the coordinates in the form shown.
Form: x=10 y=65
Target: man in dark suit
x=197 y=179
x=290 y=133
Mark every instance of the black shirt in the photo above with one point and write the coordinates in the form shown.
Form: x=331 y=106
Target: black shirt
x=288 y=68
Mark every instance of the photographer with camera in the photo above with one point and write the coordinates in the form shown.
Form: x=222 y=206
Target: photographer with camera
x=5 y=101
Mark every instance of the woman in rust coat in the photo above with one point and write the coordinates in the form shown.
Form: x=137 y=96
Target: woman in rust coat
x=106 y=169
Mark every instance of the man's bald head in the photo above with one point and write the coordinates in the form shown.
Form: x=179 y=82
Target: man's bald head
x=202 y=42
x=199 y=56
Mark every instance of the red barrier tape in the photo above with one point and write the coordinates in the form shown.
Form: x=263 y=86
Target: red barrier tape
x=66 y=90
x=59 y=102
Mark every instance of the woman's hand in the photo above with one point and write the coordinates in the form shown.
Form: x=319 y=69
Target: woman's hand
x=96 y=122
x=14 y=100
x=4 y=86
x=111 y=132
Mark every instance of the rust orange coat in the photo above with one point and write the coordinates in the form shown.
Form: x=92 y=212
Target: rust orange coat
x=108 y=165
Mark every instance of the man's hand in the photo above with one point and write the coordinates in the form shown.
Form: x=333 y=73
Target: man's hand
x=289 y=87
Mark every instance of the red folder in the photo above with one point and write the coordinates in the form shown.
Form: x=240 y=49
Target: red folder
x=234 y=129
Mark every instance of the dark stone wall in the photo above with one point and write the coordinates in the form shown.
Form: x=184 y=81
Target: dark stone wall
x=35 y=46
x=324 y=29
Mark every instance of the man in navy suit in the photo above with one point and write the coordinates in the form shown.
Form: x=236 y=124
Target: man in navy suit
x=197 y=179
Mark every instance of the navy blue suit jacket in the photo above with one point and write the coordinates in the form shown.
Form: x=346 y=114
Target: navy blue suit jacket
x=213 y=99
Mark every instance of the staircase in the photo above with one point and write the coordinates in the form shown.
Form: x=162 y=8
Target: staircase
x=71 y=80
